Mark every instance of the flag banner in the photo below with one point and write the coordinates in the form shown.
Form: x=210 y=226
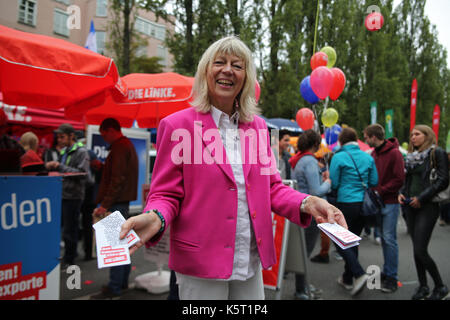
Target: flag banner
x=389 y=123
x=447 y=146
x=91 y=41
x=373 y=112
x=436 y=120
x=413 y=105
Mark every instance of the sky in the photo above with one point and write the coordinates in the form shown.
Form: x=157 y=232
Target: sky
x=438 y=12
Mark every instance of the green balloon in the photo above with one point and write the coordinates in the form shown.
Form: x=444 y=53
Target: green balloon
x=331 y=53
x=405 y=145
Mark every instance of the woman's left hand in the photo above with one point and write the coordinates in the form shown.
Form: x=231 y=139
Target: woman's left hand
x=323 y=211
x=415 y=203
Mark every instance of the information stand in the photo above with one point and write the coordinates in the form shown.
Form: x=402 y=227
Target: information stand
x=30 y=233
x=290 y=250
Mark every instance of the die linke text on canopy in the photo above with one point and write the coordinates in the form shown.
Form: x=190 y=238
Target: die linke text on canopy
x=143 y=93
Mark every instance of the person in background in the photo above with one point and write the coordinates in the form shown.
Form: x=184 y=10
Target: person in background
x=310 y=181
x=391 y=175
x=444 y=208
x=350 y=195
x=89 y=205
x=74 y=160
x=54 y=153
x=421 y=213
x=323 y=255
x=10 y=149
x=219 y=211
x=283 y=155
x=30 y=161
x=118 y=187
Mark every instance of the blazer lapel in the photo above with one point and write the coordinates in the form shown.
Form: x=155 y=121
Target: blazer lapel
x=245 y=133
x=203 y=123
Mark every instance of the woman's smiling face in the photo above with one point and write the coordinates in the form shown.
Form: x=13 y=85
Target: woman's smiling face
x=225 y=77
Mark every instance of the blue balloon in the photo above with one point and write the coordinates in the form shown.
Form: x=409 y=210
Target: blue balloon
x=331 y=134
x=307 y=92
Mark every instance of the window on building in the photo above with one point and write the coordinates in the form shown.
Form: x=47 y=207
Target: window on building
x=100 y=37
x=102 y=8
x=60 y=22
x=162 y=53
x=27 y=12
x=150 y=28
x=66 y=2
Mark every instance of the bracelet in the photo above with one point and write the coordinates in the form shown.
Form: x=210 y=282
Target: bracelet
x=163 y=221
x=303 y=205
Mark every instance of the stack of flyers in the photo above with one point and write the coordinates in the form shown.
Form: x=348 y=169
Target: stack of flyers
x=341 y=236
x=111 y=251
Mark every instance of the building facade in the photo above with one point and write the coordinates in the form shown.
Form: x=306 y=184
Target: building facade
x=71 y=19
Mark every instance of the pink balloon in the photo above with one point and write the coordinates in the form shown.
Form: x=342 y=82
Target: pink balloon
x=338 y=83
x=321 y=82
x=257 y=91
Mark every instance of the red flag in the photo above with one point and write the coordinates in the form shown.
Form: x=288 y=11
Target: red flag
x=436 y=119
x=413 y=105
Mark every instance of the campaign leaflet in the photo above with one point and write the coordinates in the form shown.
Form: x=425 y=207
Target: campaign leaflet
x=341 y=236
x=111 y=251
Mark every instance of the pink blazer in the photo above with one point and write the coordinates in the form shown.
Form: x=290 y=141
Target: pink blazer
x=194 y=188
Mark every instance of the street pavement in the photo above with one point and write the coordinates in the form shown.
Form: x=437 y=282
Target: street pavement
x=322 y=276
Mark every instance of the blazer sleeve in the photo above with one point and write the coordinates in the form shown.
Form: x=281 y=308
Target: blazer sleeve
x=166 y=189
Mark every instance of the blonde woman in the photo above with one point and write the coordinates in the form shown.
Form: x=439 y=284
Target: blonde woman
x=421 y=213
x=211 y=186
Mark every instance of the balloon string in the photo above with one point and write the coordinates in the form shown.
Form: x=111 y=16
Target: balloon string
x=315 y=28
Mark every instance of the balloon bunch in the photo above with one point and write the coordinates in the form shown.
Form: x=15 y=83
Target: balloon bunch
x=325 y=80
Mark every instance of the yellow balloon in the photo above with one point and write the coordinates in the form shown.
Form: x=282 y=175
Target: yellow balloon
x=330 y=117
x=331 y=53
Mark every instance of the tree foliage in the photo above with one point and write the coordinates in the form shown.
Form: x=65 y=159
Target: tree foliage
x=379 y=66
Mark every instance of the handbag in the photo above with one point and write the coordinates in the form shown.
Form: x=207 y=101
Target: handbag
x=444 y=195
x=372 y=203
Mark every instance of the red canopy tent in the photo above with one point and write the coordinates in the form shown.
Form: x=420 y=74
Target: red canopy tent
x=40 y=121
x=45 y=72
x=151 y=97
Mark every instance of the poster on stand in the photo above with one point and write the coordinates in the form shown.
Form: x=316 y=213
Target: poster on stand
x=30 y=223
x=141 y=141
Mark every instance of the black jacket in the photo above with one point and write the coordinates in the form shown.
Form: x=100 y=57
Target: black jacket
x=430 y=190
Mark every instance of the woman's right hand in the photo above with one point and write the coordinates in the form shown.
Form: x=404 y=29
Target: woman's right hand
x=146 y=225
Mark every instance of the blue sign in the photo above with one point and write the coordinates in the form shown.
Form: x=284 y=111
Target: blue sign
x=100 y=147
x=30 y=234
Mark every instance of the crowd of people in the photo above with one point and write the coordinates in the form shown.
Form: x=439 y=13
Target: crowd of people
x=402 y=183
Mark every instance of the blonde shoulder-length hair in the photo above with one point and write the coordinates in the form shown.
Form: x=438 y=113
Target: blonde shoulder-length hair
x=430 y=138
x=246 y=98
